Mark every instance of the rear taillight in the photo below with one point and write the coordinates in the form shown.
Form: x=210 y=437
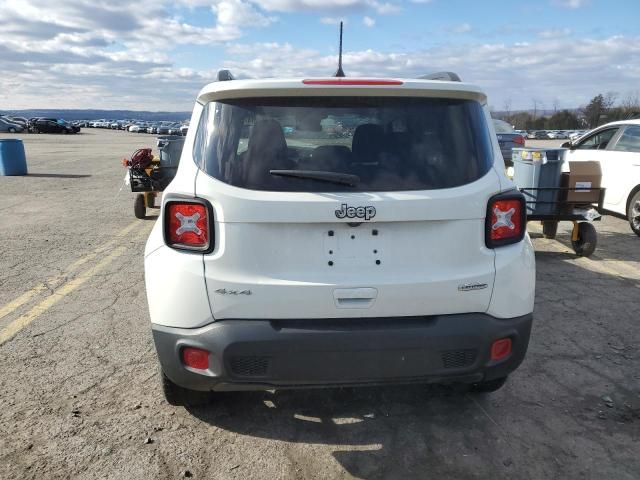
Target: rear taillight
x=187 y=225
x=519 y=139
x=506 y=219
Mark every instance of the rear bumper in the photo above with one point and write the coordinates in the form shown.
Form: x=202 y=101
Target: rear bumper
x=265 y=354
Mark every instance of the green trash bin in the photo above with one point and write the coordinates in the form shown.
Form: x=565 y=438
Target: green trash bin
x=13 y=160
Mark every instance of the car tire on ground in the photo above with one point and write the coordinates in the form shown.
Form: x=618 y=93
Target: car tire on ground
x=633 y=213
x=549 y=229
x=139 y=208
x=179 y=397
x=587 y=240
x=488 y=386
x=12 y=130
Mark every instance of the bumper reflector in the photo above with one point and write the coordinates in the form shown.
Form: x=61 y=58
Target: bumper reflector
x=195 y=358
x=501 y=349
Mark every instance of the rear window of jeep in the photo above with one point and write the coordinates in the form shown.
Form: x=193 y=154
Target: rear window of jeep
x=320 y=144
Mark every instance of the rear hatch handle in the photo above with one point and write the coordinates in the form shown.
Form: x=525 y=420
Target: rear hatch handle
x=355 y=297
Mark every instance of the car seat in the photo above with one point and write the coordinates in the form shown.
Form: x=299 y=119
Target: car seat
x=267 y=150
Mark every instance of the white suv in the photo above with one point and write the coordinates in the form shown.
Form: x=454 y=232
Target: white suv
x=339 y=231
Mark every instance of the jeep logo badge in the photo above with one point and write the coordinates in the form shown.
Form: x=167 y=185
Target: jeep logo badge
x=346 y=211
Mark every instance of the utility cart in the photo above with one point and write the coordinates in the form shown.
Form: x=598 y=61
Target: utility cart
x=149 y=175
x=553 y=196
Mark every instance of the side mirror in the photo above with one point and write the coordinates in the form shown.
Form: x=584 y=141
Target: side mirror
x=567 y=145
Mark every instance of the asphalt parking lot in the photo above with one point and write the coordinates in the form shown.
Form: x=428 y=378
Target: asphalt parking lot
x=79 y=396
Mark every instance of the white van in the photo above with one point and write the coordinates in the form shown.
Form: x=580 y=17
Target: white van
x=339 y=231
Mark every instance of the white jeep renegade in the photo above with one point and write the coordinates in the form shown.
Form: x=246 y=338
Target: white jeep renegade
x=339 y=231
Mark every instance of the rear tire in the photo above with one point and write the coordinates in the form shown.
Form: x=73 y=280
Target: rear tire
x=549 y=229
x=587 y=240
x=139 y=208
x=180 y=397
x=488 y=386
x=633 y=213
x=12 y=130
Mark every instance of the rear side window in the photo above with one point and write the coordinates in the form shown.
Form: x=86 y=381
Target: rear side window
x=313 y=144
x=502 y=127
x=629 y=141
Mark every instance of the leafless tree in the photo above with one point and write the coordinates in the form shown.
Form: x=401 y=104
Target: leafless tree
x=631 y=101
x=535 y=107
x=537 y=104
x=610 y=100
x=507 y=108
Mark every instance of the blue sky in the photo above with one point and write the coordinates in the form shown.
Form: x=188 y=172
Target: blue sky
x=157 y=54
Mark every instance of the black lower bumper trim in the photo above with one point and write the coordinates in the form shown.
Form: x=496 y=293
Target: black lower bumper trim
x=262 y=354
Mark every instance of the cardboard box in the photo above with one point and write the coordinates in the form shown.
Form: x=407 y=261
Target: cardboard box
x=585 y=176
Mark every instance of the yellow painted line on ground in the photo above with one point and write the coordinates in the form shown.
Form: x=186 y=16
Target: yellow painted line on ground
x=24 y=320
x=21 y=300
x=21 y=322
x=54 y=281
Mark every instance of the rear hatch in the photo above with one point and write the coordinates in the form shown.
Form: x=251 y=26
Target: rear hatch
x=346 y=206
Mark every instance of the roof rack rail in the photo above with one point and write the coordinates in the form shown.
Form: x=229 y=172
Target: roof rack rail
x=224 y=76
x=442 y=76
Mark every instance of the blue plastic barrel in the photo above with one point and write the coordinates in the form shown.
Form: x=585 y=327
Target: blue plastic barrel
x=13 y=160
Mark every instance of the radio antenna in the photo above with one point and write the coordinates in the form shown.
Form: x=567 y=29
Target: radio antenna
x=340 y=72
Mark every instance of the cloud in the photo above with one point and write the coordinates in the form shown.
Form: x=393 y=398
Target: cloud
x=368 y=22
x=383 y=8
x=573 y=4
x=238 y=13
x=518 y=71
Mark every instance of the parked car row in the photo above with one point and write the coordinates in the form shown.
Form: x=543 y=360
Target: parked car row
x=13 y=124
x=136 y=126
x=159 y=129
x=36 y=125
x=552 y=134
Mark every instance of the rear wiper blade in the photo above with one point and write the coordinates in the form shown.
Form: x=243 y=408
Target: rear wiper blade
x=321 y=175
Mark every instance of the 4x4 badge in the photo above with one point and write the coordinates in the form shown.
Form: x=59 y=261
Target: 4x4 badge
x=224 y=291
x=467 y=287
x=366 y=213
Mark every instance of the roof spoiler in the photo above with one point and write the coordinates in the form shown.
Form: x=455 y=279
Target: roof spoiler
x=224 y=76
x=442 y=76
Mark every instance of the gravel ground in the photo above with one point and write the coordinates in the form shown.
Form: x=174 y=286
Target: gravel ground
x=79 y=396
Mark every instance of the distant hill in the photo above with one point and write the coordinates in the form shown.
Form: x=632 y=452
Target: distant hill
x=100 y=114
